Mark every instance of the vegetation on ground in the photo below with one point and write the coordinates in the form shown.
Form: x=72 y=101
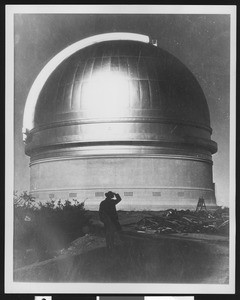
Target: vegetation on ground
x=41 y=228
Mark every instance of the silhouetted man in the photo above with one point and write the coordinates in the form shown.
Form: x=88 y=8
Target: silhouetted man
x=108 y=215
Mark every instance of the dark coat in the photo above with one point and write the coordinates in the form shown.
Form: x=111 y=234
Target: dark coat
x=108 y=213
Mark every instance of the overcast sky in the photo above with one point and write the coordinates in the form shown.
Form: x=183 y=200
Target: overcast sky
x=201 y=42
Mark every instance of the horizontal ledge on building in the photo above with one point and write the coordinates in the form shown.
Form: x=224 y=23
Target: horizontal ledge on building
x=133 y=119
x=123 y=156
x=189 y=145
x=121 y=188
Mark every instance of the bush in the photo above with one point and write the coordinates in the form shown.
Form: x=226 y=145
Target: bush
x=47 y=227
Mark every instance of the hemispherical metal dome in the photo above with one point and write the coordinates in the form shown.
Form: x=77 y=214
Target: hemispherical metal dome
x=121 y=92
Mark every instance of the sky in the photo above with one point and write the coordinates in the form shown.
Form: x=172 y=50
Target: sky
x=201 y=42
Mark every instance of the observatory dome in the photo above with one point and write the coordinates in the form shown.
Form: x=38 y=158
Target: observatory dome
x=121 y=115
x=120 y=92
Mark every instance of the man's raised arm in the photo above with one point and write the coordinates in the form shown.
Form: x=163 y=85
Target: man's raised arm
x=118 y=198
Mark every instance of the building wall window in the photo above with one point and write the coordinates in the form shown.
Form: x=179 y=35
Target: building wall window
x=72 y=195
x=99 y=194
x=180 y=194
x=156 y=194
x=128 y=194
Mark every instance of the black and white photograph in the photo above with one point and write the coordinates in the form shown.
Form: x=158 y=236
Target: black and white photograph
x=120 y=149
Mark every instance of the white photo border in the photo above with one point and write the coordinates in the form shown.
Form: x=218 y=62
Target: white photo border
x=111 y=288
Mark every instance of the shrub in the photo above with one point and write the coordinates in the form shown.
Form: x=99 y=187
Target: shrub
x=49 y=226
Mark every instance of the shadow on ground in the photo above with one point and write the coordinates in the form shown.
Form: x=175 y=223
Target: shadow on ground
x=138 y=260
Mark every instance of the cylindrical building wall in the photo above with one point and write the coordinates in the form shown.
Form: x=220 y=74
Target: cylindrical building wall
x=144 y=183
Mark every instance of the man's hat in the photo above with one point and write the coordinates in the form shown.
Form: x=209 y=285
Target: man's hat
x=109 y=194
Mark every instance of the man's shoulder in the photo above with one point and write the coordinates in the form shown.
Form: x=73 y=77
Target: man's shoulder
x=106 y=202
x=103 y=202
